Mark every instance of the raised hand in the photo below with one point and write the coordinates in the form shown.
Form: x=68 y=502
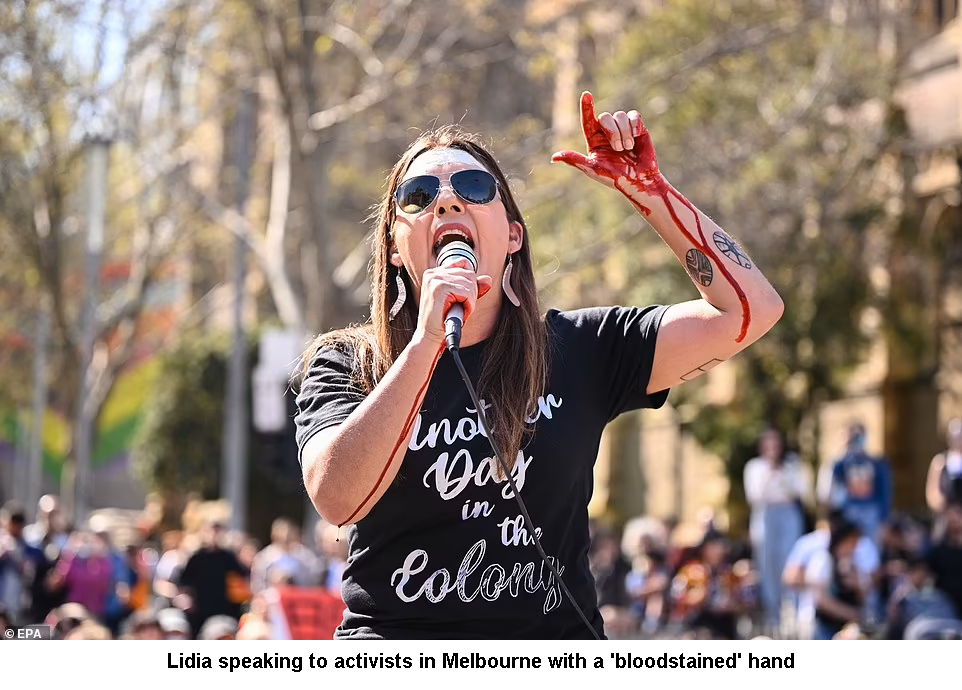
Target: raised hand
x=620 y=152
x=621 y=156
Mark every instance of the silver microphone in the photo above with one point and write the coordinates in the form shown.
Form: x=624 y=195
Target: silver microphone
x=450 y=254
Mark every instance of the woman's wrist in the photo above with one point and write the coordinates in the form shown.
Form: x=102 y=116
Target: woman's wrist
x=423 y=348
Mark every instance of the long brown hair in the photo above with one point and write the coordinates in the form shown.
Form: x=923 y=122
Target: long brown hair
x=515 y=365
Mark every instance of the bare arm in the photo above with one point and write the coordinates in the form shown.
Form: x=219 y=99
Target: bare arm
x=738 y=305
x=344 y=464
x=933 y=492
x=347 y=468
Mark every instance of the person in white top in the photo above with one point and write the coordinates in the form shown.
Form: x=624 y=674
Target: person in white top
x=775 y=487
x=803 y=562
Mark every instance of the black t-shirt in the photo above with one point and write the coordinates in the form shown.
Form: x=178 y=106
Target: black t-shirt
x=445 y=553
x=945 y=562
x=205 y=574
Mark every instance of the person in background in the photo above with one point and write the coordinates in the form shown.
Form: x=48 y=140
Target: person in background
x=85 y=574
x=797 y=574
x=286 y=554
x=89 y=630
x=945 y=556
x=218 y=628
x=776 y=489
x=19 y=562
x=839 y=596
x=65 y=618
x=707 y=591
x=917 y=610
x=861 y=485
x=334 y=556
x=49 y=533
x=174 y=624
x=5 y=619
x=609 y=568
x=255 y=630
x=645 y=544
x=213 y=580
x=174 y=554
x=944 y=480
x=903 y=540
x=145 y=625
x=124 y=579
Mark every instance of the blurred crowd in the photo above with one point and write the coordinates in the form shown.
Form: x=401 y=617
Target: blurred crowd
x=210 y=584
x=826 y=558
x=829 y=561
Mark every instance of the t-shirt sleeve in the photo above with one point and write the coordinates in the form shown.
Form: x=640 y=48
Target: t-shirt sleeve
x=819 y=570
x=615 y=347
x=328 y=394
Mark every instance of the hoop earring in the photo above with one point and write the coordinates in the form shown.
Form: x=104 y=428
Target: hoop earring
x=506 y=283
x=402 y=295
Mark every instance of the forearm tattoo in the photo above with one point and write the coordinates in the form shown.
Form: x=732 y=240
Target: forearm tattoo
x=699 y=267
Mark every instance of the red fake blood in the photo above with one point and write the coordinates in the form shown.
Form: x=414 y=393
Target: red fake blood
x=635 y=173
x=404 y=434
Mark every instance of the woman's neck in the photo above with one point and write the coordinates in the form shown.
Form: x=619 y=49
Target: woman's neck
x=483 y=320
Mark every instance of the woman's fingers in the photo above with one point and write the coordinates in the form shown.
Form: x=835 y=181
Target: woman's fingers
x=444 y=287
x=484 y=285
x=608 y=123
x=622 y=128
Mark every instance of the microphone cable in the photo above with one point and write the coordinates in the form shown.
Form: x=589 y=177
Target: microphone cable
x=453 y=348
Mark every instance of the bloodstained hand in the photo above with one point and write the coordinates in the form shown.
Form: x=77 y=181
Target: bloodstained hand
x=633 y=170
x=621 y=156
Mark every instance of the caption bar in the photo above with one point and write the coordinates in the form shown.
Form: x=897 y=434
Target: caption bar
x=571 y=660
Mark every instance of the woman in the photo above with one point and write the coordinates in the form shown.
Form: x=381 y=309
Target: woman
x=944 y=480
x=775 y=488
x=391 y=442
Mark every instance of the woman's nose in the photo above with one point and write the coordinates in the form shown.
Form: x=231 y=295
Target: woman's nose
x=448 y=202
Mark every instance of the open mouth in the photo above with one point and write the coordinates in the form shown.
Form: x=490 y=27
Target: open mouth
x=450 y=233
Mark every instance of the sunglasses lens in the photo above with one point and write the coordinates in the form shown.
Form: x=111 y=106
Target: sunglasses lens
x=475 y=186
x=416 y=194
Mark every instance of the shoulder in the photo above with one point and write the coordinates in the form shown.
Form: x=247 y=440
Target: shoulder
x=338 y=348
x=334 y=359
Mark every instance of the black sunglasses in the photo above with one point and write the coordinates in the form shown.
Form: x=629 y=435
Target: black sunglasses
x=473 y=186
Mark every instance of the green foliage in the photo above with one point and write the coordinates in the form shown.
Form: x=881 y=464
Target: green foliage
x=178 y=446
x=761 y=114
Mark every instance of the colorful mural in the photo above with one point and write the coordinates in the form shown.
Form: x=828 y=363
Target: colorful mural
x=124 y=407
